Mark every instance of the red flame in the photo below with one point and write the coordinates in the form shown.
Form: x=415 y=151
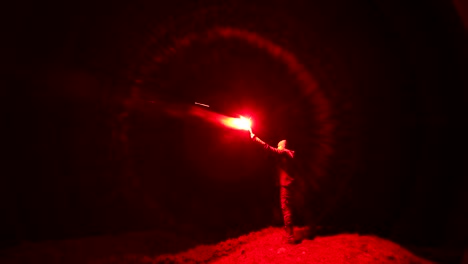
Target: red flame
x=241 y=123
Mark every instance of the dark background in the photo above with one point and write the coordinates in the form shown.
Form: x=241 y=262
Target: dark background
x=84 y=153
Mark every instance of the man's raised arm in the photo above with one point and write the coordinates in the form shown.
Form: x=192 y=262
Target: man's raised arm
x=265 y=145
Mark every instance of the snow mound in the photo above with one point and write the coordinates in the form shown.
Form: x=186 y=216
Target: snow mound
x=267 y=246
x=264 y=246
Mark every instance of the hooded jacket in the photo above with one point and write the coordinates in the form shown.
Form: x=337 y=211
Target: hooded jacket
x=284 y=159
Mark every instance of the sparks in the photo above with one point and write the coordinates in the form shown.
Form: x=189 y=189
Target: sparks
x=205 y=105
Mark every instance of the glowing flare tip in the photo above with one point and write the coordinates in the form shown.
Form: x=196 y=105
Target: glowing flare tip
x=241 y=123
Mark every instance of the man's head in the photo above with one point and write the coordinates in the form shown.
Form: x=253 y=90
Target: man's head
x=282 y=144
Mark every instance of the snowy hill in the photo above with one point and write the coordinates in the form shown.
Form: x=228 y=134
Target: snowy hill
x=264 y=246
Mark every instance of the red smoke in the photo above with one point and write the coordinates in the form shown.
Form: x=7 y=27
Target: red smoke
x=241 y=123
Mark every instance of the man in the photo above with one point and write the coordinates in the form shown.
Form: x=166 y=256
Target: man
x=284 y=158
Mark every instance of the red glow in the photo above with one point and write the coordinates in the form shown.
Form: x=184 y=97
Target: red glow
x=241 y=123
x=323 y=131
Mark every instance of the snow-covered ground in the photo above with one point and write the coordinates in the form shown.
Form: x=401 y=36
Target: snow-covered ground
x=264 y=246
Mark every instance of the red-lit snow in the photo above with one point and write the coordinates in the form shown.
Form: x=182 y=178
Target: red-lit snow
x=266 y=246
x=263 y=246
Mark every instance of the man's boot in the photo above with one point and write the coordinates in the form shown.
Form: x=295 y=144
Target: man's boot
x=290 y=235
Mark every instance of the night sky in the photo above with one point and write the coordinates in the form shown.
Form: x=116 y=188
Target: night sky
x=370 y=94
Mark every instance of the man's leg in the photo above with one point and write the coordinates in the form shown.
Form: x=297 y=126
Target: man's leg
x=285 y=195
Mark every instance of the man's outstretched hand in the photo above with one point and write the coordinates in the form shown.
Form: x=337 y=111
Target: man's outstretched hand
x=252 y=135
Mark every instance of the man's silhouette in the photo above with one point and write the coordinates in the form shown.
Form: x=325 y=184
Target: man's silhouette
x=286 y=170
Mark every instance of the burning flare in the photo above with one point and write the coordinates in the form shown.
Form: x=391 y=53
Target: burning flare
x=241 y=123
